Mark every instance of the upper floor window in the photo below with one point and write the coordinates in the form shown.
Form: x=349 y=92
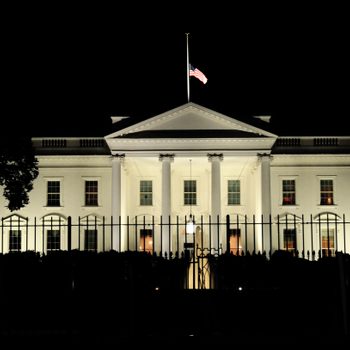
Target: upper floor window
x=190 y=192
x=146 y=192
x=53 y=193
x=233 y=192
x=15 y=240
x=91 y=193
x=288 y=192
x=327 y=192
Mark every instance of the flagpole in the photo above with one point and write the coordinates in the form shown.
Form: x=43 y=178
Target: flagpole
x=188 y=70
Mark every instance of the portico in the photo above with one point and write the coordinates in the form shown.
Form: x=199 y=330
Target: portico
x=159 y=150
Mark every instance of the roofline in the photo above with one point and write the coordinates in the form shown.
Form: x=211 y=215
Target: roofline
x=186 y=105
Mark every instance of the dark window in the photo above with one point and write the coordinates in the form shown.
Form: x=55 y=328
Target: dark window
x=190 y=192
x=53 y=240
x=91 y=193
x=146 y=195
x=15 y=240
x=53 y=193
x=234 y=192
x=90 y=240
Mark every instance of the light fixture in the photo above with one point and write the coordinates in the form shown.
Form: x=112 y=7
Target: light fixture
x=190 y=226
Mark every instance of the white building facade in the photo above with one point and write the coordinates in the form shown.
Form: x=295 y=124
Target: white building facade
x=243 y=188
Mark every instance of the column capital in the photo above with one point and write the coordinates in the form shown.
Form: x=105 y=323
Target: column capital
x=262 y=156
x=215 y=156
x=119 y=156
x=166 y=156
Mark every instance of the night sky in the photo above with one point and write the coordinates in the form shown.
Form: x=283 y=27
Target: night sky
x=66 y=73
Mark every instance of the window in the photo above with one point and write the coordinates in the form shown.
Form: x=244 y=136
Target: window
x=146 y=241
x=53 y=240
x=146 y=192
x=91 y=193
x=90 y=240
x=53 y=194
x=327 y=193
x=289 y=239
x=15 y=240
x=233 y=192
x=234 y=241
x=327 y=241
x=190 y=192
x=288 y=192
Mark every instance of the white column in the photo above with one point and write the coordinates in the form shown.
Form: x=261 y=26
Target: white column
x=116 y=199
x=216 y=234
x=166 y=160
x=265 y=199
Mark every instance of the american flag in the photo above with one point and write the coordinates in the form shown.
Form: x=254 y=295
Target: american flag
x=195 y=72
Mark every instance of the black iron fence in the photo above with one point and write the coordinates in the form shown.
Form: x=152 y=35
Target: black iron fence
x=307 y=237
x=248 y=267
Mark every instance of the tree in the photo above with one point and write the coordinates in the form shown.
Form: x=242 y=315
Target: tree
x=18 y=170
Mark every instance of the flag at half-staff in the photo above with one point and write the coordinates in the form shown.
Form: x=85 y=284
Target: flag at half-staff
x=195 y=72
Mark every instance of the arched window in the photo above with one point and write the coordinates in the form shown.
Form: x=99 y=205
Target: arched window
x=53 y=229
x=288 y=225
x=89 y=225
x=327 y=228
x=16 y=228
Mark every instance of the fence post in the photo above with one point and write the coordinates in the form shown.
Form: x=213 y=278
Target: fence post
x=344 y=233
x=69 y=233
x=270 y=234
x=2 y=235
x=343 y=293
x=228 y=248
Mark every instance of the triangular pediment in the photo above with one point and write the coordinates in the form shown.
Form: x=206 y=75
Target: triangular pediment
x=190 y=120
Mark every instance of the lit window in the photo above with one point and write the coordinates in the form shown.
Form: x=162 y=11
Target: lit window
x=288 y=192
x=53 y=240
x=328 y=241
x=327 y=193
x=15 y=241
x=233 y=192
x=91 y=193
x=234 y=242
x=90 y=240
x=190 y=192
x=146 y=241
x=289 y=239
x=146 y=192
x=53 y=193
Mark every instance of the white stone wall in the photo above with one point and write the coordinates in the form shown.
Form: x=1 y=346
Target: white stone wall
x=307 y=172
x=73 y=170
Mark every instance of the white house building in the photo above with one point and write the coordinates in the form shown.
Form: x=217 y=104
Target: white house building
x=239 y=186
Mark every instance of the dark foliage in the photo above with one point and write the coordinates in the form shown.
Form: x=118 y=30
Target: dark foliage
x=84 y=298
x=18 y=170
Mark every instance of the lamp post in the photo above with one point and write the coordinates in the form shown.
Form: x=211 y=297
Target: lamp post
x=189 y=241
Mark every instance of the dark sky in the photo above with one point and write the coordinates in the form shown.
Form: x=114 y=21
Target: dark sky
x=66 y=73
